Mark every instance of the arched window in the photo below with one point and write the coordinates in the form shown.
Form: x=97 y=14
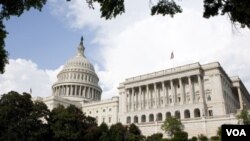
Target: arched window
x=159 y=117
x=177 y=114
x=128 y=119
x=135 y=119
x=168 y=114
x=197 y=112
x=186 y=114
x=151 y=118
x=143 y=118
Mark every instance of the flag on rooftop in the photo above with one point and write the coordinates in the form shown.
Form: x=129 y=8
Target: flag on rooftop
x=172 y=55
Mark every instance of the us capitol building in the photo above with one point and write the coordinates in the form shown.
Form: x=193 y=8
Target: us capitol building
x=203 y=97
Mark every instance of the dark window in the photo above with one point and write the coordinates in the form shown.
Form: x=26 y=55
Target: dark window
x=210 y=112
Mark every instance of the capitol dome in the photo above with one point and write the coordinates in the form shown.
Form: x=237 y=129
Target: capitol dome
x=78 y=81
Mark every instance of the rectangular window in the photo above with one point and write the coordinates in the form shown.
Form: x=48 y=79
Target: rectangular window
x=109 y=119
x=179 y=99
x=210 y=112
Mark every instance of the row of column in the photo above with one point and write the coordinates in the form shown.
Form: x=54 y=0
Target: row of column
x=76 y=90
x=161 y=94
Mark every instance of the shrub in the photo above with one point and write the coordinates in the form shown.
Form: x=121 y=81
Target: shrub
x=193 y=138
x=202 y=137
x=180 y=136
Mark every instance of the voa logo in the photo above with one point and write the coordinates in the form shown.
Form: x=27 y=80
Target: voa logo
x=236 y=132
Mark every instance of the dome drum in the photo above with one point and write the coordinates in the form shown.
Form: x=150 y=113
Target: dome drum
x=79 y=91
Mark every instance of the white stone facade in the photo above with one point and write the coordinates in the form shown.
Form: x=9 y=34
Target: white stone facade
x=104 y=111
x=202 y=96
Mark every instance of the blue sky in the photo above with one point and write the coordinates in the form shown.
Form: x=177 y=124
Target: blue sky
x=135 y=43
x=42 y=38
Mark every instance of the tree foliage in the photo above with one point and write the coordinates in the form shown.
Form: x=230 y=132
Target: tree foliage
x=155 y=137
x=238 y=11
x=219 y=132
x=180 y=136
x=244 y=117
x=21 y=119
x=70 y=123
x=133 y=129
x=166 y=7
x=194 y=138
x=172 y=125
x=202 y=137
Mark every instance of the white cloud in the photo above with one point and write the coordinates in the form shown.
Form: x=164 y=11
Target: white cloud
x=77 y=13
x=136 y=43
x=22 y=75
x=145 y=46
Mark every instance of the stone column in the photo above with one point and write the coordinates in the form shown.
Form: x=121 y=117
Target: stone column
x=136 y=100
x=129 y=100
x=95 y=92
x=80 y=90
x=200 y=88
x=173 y=92
x=147 y=96
x=55 y=92
x=83 y=92
x=182 y=91
x=164 y=94
x=55 y=89
x=63 y=90
x=240 y=98
x=91 y=92
x=66 y=90
x=60 y=90
x=143 y=99
x=155 y=96
x=71 y=90
x=77 y=90
x=202 y=95
x=191 y=89
x=86 y=92
x=132 y=100
x=74 y=90
x=167 y=94
x=140 y=98
x=150 y=98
